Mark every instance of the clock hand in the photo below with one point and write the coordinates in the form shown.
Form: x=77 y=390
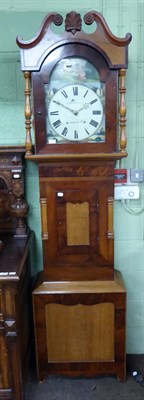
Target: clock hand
x=75 y=112
x=85 y=106
x=67 y=108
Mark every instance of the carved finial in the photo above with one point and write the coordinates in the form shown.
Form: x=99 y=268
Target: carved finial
x=73 y=22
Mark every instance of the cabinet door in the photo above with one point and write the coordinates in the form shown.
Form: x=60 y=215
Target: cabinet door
x=77 y=224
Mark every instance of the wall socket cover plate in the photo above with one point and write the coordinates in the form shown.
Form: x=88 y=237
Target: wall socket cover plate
x=136 y=175
x=125 y=192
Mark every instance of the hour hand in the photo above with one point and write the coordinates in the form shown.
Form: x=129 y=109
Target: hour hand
x=84 y=107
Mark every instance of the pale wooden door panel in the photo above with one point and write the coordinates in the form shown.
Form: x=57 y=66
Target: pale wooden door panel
x=80 y=333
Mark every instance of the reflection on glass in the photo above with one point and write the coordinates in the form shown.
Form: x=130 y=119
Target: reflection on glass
x=79 y=77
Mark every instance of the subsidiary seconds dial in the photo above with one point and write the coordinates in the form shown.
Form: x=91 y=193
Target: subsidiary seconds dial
x=75 y=112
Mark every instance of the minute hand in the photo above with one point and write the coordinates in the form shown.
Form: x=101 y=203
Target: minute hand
x=67 y=108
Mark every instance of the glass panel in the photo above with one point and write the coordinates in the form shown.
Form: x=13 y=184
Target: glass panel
x=75 y=103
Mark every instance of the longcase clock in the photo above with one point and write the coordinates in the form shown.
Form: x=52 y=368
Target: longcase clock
x=78 y=114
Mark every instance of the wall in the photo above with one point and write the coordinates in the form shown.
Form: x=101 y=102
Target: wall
x=24 y=19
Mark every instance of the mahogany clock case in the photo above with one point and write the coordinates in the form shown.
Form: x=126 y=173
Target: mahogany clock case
x=79 y=301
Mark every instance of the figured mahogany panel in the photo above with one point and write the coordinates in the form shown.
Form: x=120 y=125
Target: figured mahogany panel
x=80 y=333
x=64 y=200
x=77 y=219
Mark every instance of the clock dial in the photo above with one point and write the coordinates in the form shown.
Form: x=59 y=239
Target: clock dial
x=75 y=102
x=75 y=112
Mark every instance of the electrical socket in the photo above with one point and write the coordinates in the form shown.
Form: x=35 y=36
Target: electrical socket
x=136 y=175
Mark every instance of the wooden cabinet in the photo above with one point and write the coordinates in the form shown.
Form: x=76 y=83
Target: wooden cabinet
x=15 y=315
x=15 y=279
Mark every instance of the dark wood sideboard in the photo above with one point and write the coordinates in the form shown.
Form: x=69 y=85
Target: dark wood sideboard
x=15 y=279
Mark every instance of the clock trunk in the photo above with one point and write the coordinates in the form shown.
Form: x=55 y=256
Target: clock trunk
x=77 y=214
